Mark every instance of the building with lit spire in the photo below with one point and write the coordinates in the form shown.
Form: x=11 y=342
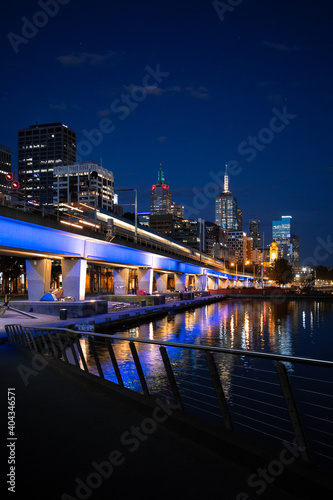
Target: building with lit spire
x=226 y=208
x=160 y=196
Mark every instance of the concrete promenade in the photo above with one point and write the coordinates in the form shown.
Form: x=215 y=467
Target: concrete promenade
x=113 y=316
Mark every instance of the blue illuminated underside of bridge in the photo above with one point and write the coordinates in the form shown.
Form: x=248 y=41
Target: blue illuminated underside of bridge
x=26 y=237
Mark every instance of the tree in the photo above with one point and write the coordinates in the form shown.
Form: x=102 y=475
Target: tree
x=129 y=216
x=281 y=272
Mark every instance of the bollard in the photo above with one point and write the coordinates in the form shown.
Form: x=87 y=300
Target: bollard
x=63 y=313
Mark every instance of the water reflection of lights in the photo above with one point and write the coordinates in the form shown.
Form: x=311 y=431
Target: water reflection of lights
x=151 y=331
x=133 y=332
x=246 y=331
x=257 y=325
x=311 y=323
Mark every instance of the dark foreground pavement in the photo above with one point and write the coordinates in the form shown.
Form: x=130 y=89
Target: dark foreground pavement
x=75 y=439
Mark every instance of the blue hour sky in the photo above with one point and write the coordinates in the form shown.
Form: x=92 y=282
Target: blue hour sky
x=192 y=85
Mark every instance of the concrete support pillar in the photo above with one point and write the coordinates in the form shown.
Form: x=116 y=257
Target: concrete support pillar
x=161 y=281
x=145 y=279
x=74 y=272
x=120 y=280
x=38 y=277
x=201 y=282
x=180 y=282
x=212 y=283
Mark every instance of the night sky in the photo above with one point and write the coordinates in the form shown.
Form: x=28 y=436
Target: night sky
x=191 y=85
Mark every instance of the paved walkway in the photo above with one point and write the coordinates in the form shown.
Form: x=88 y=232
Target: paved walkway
x=12 y=317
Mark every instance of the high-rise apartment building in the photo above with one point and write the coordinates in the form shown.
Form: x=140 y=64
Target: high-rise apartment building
x=226 y=208
x=254 y=232
x=84 y=182
x=5 y=165
x=40 y=149
x=238 y=246
x=160 y=196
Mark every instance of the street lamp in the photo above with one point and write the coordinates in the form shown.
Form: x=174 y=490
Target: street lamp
x=232 y=264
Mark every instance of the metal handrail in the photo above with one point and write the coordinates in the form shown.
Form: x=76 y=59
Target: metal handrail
x=226 y=350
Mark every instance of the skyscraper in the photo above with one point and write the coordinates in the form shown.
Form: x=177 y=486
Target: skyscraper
x=84 y=182
x=281 y=230
x=282 y=234
x=226 y=208
x=40 y=149
x=160 y=196
x=254 y=232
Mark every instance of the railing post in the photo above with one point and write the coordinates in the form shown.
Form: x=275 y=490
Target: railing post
x=54 y=349
x=18 y=334
x=219 y=391
x=292 y=410
x=47 y=348
x=29 y=339
x=77 y=341
x=62 y=348
x=114 y=363
x=32 y=338
x=71 y=347
x=139 y=369
x=38 y=341
x=93 y=350
x=171 y=377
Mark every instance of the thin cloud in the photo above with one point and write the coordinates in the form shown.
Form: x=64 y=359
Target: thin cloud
x=59 y=107
x=153 y=89
x=199 y=93
x=280 y=46
x=77 y=59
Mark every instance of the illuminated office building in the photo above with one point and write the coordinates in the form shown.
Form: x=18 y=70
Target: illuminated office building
x=160 y=196
x=287 y=241
x=281 y=230
x=40 y=149
x=226 y=214
x=84 y=182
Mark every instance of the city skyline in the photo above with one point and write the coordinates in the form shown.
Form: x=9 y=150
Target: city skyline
x=189 y=87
